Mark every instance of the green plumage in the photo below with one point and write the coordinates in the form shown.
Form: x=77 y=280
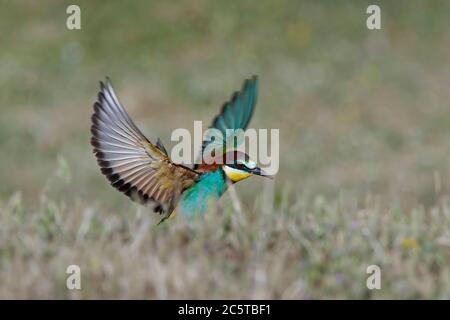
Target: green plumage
x=195 y=200
x=235 y=114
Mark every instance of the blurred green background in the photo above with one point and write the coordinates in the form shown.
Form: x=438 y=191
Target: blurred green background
x=361 y=113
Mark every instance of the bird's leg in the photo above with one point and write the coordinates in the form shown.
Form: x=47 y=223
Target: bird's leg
x=169 y=216
x=162 y=220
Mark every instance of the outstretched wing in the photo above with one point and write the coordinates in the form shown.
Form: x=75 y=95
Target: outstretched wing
x=236 y=113
x=132 y=164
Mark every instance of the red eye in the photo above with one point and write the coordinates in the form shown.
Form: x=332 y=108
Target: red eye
x=240 y=166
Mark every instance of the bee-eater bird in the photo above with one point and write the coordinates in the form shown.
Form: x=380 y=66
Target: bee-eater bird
x=144 y=171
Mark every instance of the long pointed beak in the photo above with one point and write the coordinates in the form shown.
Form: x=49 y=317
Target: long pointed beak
x=260 y=172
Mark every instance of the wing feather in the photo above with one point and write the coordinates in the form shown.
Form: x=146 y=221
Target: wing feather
x=237 y=112
x=131 y=163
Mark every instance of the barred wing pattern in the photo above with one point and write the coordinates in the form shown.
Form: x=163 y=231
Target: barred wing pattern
x=132 y=164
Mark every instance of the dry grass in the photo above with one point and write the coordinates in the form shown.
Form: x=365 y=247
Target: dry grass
x=302 y=248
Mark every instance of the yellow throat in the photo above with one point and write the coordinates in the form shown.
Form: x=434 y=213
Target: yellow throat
x=234 y=174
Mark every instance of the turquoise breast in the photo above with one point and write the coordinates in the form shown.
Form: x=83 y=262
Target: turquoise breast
x=195 y=201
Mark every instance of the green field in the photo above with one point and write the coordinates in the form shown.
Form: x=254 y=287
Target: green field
x=364 y=149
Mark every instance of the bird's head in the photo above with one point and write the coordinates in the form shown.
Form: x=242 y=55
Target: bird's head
x=242 y=167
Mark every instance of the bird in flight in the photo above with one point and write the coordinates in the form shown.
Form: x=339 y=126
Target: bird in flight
x=144 y=171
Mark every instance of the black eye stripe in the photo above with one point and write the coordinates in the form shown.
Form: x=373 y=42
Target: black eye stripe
x=239 y=166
